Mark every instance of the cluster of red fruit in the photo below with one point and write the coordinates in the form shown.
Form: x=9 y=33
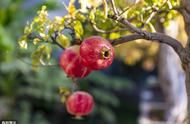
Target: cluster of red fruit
x=95 y=53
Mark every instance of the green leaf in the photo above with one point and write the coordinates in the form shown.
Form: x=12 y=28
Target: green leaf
x=23 y=42
x=79 y=16
x=48 y=51
x=36 y=40
x=92 y=15
x=41 y=55
x=114 y=36
x=77 y=25
x=63 y=40
x=151 y=26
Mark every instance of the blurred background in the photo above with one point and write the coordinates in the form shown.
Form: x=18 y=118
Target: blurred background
x=141 y=86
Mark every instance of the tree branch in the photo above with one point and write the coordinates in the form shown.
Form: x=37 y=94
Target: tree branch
x=141 y=34
x=53 y=38
x=114 y=7
x=126 y=39
x=104 y=31
x=154 y=12
x=32 y=36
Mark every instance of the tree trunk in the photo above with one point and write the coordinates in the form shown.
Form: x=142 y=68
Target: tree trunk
x=187 y=72
x=172 y=79
x=186 y=59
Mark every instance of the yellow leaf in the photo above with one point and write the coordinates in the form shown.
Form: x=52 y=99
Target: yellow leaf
x=63 y=40
x=63 y=99
x=64 y=91
x=114 y=35
x=23 y=42
x=36 y=40
x=71 y=8
x=78 y=29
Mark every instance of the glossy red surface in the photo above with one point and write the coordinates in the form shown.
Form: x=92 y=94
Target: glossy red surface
x=96 y=53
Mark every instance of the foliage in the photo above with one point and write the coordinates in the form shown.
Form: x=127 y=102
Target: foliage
x=28 y=89
x=91 y=19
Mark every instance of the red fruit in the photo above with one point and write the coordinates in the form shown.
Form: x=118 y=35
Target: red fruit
x=96 y=52
x=80 y=103
x=71 y=63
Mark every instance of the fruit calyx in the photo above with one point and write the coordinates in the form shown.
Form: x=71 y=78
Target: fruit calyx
x=105 y=53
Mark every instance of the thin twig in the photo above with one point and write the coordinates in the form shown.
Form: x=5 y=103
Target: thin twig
x=105 y=5
x=154 y=12
x=114 y=7
x=178 y=8
x=106 y=32
x=125 y=10
x=74 y=84
x=53 y=38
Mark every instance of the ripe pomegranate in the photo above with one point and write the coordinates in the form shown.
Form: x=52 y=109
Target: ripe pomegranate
x=71 y=62
x=79 y=103
x=96 y=53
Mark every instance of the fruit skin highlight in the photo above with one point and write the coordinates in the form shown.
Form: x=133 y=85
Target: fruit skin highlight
x=71 y=62
x=79 y=104
x=96 y=53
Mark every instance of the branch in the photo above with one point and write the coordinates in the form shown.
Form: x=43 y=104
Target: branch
x=114 y=7
x=53 y=38
x=160 y=37
x=104 y=31
x=186 y=4
x=126 y=39
x=141 y=34
x=154 y=12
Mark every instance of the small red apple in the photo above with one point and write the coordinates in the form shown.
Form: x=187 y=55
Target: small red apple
x=79 y=103
x=71 y=62
x=96 y=52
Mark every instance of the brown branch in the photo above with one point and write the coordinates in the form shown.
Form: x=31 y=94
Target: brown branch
x=125 y=39
x=186 y=4
x=141 y=34
x=53 y=38
x=160 y=37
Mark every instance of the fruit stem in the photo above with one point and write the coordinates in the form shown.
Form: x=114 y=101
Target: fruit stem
x=74 y=85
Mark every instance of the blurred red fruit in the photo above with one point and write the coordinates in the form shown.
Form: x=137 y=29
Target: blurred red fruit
x=71 y=62
x=79 y=103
